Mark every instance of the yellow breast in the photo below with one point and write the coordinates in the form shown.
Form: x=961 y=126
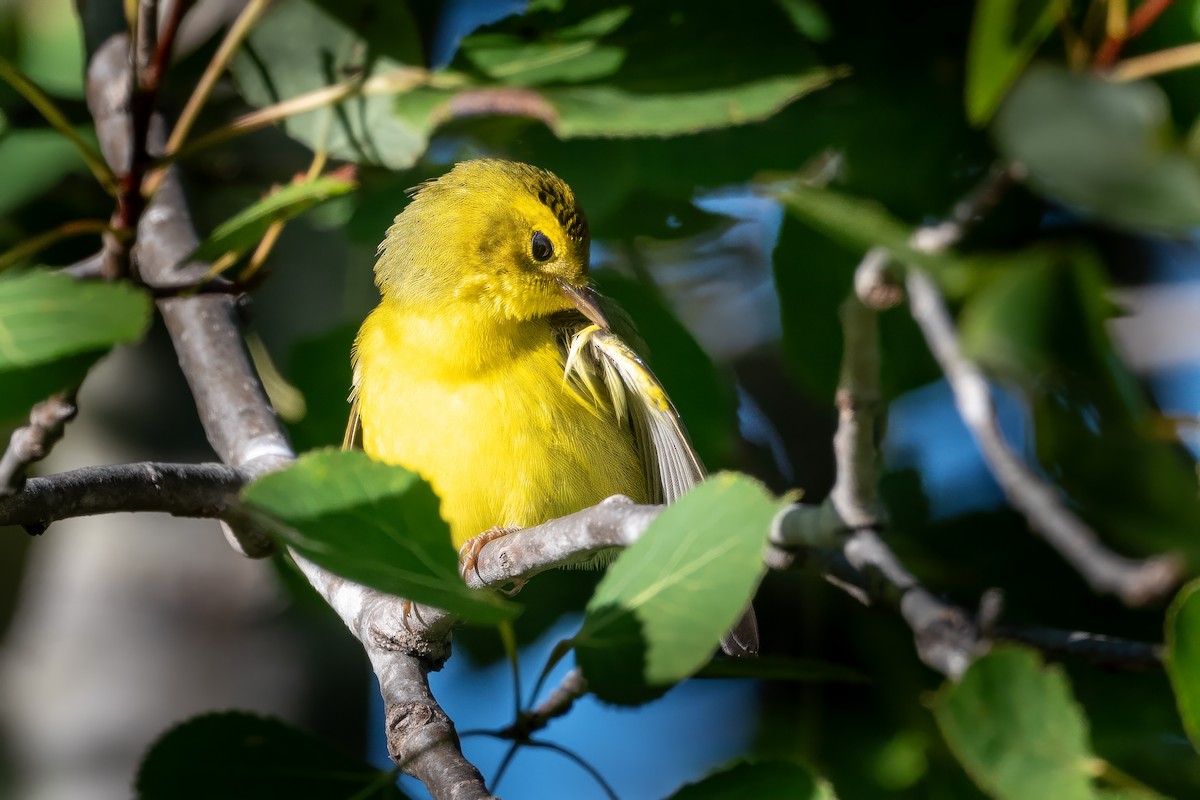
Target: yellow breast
x=480 y=409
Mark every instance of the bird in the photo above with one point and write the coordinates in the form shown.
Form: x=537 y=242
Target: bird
x=490 y=366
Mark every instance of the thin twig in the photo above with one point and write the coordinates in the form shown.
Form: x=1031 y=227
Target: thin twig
x=32 y=442
x=1136 y=582
x=1139 y=21
x=558 y=703
x=1111 y=652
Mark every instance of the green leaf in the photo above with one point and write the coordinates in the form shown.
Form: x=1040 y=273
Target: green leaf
x=609 y=111
x=32 y=161
x=761 y=779
x=1183 y=657
x=374 y=523
x=658 y=614
x=45 y=316
x=298 y=48
x=319 y=367
x=240 y=756
x=859 y=224
x=23 y=387
x=1015 y=727
x=768 y=668
x=614 y=112
x=1000 y=47
x=1105 y=147
x=244 y=230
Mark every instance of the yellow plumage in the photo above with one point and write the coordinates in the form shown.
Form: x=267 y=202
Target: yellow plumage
x=501 y=439
x=489 y=368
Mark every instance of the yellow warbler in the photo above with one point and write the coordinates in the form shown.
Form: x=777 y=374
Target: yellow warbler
x=489 y=368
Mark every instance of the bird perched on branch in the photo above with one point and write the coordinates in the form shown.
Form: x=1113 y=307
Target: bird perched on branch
x=490 y=368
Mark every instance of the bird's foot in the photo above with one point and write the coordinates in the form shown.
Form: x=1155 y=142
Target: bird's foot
x=409 y=609
x=468 y=554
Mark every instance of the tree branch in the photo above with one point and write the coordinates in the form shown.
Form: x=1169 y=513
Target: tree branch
x=1136 y=582
x=184 y=490
x=244 y=431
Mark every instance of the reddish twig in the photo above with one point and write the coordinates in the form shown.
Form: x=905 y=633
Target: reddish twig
x=1139 y=22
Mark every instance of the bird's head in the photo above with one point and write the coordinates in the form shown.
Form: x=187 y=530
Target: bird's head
x=500 y=237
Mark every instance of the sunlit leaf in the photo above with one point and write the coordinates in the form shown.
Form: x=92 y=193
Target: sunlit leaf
x=45 y=316
x=658 y=614
x=299 y=48
x=376 y=524
x=242 y=756
x=242 y=231
x=1015 y=727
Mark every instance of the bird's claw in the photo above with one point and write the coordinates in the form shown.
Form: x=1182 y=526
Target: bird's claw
x=468 y=554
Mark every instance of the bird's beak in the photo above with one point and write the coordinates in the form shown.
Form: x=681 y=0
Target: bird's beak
x=584 y=300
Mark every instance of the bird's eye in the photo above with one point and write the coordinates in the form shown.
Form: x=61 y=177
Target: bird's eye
x=541 y=247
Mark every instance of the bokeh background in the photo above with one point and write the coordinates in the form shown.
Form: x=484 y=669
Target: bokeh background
x=114 y=629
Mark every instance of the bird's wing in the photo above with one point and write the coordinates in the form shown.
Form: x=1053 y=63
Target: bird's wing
x=595 y=355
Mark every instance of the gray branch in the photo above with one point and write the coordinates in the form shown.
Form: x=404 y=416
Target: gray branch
x=185 y=490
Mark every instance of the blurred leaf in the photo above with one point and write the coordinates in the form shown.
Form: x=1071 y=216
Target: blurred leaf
x=45 y=316
x=1182 y=657
x=768 y=668
x=859 y=224
x=320 y=368
x=659 y=613
x=299 y=48
x=244 y=230
x=808 y=18
x=33 y=160
x=51 y=47
x=374 y=523
x=239 y=756
x=762 y=779
x=22 y=387
x=1015 y=727
x=1015 y=325
x=1105 y=147
x=1004 y=36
